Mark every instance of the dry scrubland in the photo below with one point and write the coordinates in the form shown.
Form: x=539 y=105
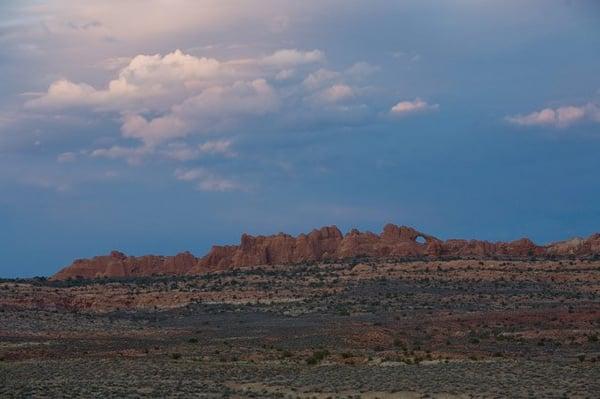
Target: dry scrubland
x=461 y=328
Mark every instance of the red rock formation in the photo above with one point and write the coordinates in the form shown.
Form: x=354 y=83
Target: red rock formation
x=482 y=249
x=576 y=246
x=325 y=243
x=118 y=264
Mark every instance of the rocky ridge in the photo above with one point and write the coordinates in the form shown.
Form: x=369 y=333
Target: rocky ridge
x=326 y=243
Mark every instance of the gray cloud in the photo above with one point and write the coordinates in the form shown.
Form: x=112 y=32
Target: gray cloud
x=205 y=180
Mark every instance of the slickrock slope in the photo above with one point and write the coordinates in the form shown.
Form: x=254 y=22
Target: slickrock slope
x=322 y=244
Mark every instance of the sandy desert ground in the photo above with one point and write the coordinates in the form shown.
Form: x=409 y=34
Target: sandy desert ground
x=370 y=329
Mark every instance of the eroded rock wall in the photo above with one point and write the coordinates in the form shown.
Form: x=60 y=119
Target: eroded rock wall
x=320 y=244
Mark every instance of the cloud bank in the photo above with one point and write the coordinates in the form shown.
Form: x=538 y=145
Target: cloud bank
x=164 y=98
x=165 y=104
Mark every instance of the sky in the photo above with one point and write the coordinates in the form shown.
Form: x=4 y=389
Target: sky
x=155 y=127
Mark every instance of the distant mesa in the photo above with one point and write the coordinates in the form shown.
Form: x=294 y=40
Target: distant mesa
x=326 y=243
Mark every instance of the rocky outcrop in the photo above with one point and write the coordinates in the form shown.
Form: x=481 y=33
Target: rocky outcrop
x=576 y=246
x=485 y=249
x=322 y=244
x=118 y=264
x=277 y=249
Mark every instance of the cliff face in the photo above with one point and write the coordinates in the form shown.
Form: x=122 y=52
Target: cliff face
x=325 y=243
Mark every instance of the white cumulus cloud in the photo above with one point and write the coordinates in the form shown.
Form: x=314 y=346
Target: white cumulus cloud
x=412 y=107
x=291 y=57
x=217 y=147
x=560 y=117
x=165 y=104
x=182 y=151
x=337 y=93
x=161 y=98
x=133 y=155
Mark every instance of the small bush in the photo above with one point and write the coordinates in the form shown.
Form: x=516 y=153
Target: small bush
x=311 y=361
x=317 y=357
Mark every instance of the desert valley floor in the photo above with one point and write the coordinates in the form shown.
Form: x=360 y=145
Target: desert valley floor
x=414 y=329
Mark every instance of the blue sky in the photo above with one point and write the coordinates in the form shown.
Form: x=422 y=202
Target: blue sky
x=158 y=127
